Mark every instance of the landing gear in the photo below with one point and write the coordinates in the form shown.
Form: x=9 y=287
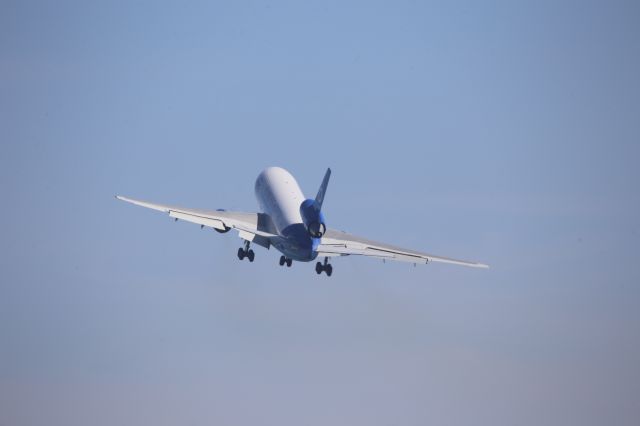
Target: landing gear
x=246 y=252
x=326 y=267
x=286 y=260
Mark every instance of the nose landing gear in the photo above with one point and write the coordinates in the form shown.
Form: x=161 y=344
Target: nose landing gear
x=246 y=252
x=326 y=267
x=286 y=260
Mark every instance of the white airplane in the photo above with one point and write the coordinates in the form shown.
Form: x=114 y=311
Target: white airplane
x=295 y=226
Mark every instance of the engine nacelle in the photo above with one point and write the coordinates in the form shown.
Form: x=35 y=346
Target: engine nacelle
x=226 y=228
x=312 y=218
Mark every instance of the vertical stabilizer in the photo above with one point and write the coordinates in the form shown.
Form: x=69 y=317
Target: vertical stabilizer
x=323 y=188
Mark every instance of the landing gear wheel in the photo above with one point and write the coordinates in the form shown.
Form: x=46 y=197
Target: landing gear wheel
x=282 y=260
x=289 y=262
x=246 y=252
x=326 y=267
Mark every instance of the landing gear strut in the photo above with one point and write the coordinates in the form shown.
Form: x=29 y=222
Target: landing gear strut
x=286 y=260
x=246 y=252
x=326 y=267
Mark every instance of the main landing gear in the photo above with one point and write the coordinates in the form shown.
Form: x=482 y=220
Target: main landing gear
x=246 y=252
x=326 y=267
x=286 y=260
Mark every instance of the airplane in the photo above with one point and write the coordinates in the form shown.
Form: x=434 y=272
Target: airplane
x=293 y=225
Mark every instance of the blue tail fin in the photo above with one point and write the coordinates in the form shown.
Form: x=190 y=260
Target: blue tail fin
x=323 y=188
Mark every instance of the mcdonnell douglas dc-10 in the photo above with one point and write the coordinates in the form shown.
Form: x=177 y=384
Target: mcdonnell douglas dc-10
x=295 y=226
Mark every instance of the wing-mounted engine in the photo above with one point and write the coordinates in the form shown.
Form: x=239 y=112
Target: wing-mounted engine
x=313 y=218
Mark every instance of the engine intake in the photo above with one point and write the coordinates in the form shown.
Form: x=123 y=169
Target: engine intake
x=316 y=229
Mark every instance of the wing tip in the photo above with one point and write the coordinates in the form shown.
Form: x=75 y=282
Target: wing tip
x=476 y=265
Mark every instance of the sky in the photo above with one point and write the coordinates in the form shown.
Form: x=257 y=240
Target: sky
x=502 y=132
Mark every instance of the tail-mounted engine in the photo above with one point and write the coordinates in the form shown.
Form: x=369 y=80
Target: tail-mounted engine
x=312 y=218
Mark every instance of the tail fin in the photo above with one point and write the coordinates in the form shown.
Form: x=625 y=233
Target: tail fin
x=323 y=188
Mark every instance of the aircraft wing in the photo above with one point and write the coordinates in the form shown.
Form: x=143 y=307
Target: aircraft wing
x=255 y=227
x=338 y=243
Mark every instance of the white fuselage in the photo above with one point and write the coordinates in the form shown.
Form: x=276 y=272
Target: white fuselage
x=280 y=197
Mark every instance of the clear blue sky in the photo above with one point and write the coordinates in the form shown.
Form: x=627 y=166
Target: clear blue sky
x=504 y=132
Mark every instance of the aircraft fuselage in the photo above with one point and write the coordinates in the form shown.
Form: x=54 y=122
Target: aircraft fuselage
x=280 y=197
